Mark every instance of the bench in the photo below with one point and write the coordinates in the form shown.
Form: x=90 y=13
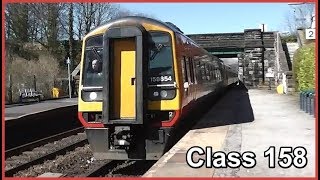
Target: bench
x=27 y=95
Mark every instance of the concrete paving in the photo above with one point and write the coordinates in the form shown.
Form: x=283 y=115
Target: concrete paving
x=16 y=112
x=229 y=126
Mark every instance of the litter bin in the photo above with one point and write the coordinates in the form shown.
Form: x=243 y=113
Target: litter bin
x=55 y=92
x=301 y=100
x=311 y=112
x=304 y=100
x=314 y=105
x=308 y=102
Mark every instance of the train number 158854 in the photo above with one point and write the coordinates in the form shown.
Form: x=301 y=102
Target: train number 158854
x=161 y=79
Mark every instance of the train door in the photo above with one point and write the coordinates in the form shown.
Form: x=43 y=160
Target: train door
x=125 y=73
x=124 y=78
x=186 y=80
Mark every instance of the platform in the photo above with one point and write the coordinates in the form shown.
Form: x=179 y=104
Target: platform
x=19 y=111
x=229 y=126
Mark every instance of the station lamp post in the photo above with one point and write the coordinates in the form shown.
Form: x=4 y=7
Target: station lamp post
x=68 y=63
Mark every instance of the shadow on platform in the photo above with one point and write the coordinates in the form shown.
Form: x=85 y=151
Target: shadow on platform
x=233 y=108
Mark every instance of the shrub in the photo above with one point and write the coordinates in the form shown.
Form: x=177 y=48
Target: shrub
x=304 y=67
x=289 y=38
x=22 y=74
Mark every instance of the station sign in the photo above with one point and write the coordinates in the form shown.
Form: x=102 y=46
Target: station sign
x=310 y=33
x=270 y=73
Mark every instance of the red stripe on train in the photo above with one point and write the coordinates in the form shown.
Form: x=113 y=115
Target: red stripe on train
x=88 y=125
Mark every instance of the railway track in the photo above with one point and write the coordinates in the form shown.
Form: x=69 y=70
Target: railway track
x=26 y=147
x=23 y=157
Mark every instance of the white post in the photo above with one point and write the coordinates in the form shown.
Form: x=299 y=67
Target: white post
x=284 y=82
x=278 y=55
x=68 y=62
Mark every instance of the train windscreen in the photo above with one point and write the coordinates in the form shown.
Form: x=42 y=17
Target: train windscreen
x=160 y=59
x=93 y=62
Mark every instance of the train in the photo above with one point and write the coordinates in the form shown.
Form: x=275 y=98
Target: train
x=139 y=78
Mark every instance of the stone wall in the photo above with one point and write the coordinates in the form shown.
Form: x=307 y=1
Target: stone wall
x=253 y=67
x=258 y=52
x=270 y=62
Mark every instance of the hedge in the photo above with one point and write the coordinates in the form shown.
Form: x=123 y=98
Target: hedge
x=304 y=67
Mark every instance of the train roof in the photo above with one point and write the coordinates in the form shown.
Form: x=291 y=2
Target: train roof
x=128 y=19
x=168 y=25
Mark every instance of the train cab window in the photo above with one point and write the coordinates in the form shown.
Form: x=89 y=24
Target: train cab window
x=92 y=75
x=160 y=58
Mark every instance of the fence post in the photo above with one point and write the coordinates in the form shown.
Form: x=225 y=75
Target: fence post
x=10 y=89
x=301 y=100
x=35 y=82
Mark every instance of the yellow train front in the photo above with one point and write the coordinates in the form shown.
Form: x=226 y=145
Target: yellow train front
x=138 y=78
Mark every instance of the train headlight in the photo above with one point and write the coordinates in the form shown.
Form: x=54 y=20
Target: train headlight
x=157 y=94
x=163 y=93
x=93 y=95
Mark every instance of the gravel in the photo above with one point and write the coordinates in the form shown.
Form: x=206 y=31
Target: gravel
x=80 y=161
x=71 y=164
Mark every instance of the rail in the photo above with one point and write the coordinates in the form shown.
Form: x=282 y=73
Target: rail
x=38 y=155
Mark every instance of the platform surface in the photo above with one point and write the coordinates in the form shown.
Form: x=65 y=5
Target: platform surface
x=18 y=111
x=228 y=126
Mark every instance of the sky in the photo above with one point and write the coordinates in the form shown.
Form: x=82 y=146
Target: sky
x=194 y=18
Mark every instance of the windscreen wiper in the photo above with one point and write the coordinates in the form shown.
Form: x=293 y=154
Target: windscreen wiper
x=159 y=47
x=96 y=53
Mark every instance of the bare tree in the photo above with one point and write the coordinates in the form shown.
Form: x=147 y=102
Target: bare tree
x=90 y=15
x=53 y=27
x=71 y=40
x=105 y=12
x=300 y=16
x=17 y=17
x=125 y=12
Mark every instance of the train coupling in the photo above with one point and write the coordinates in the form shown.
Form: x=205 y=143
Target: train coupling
x=122 y=136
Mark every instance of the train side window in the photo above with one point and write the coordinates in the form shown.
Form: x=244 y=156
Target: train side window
x=211 y=72
x=207 y=71
x=203 y=71
x=194 y=71
x=198 y=71
x=191 y=70
x=185 y=71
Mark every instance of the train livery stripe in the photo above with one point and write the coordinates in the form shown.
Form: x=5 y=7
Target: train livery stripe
x=88 y=125
x=173 y=121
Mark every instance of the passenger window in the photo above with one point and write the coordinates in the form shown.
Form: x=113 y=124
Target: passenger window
x=198 y=71
x=191 y=70
x=185 y=71
x=203 y=71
